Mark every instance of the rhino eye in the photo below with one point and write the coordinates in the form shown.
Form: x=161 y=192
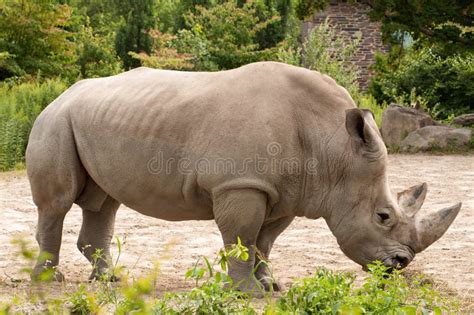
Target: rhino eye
x=383 y=217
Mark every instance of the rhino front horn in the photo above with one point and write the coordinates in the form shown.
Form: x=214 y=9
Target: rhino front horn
x=432 y=226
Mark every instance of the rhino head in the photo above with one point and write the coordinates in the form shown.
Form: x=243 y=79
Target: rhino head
x=368 y=221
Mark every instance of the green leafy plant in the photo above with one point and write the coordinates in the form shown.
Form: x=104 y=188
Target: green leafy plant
x=224 y=36
x=367 y=101
x=215 y=295
x=382 y=293
x=444 y=85
x=35 y=36
x=330 y=53
x=82 y=301
x=326 y=292
x=20 y=104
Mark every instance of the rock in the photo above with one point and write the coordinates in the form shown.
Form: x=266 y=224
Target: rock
x=398 y=122
x=436 y=137
x=465 y=120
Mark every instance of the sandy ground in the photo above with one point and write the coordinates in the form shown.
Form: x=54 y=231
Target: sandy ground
x=304 y=246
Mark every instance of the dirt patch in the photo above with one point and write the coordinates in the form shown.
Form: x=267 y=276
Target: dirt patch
x=304 y=246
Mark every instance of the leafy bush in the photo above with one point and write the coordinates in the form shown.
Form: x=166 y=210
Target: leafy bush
x=328 y=52
x=224 y=36
x=326 y=292
x=367 y=101
x=164 y=55
x=382 y=293
x=19 y=107
x=96 y=56
x=34 y=34
x=133 y=33
x=446 y=85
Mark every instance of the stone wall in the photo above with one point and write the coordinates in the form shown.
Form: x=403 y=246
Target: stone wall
x=349 y=20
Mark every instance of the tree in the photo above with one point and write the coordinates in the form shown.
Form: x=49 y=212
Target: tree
x=34 y=38
x=224 y=36
x=275 y=32
x=448 y=24
x=94 y=40
x=133 y=35
x=305 y=8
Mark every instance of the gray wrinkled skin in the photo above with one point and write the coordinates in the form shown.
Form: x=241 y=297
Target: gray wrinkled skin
x=97 y=146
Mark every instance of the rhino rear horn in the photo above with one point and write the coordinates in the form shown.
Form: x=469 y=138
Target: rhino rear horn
x=432 y=226
x=412 y=199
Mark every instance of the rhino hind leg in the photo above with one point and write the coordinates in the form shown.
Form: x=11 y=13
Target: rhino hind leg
x=267 y=236
x=240 y=213
x=48 y=236
x=56 y=176
x=98 y=220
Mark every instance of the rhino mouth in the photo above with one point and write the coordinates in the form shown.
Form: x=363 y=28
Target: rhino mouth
x=393 y=259
x=397 y=262
x=399 y=259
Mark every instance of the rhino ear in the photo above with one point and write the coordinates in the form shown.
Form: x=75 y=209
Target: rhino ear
x=361 y=127
x=412 y=199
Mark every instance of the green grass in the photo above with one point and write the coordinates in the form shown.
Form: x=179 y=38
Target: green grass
x=326 y=292
x=367 y=101
x=20 y=104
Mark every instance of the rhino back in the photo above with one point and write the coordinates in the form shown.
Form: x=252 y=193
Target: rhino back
x=142 y=135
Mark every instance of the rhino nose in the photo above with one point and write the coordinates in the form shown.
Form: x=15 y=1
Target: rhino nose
x=400 y=261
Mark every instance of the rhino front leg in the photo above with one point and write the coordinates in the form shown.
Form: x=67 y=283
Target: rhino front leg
x=96 y=234
x=267 y=236
x=240 y=213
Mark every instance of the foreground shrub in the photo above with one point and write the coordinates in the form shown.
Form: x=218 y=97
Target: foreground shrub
x=326 y=292
x=20 y=104
x=445 y=85
x=382 y=293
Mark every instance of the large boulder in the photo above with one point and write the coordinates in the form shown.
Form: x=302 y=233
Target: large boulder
x=465 y=120
x=436 y=137
x=398 y=122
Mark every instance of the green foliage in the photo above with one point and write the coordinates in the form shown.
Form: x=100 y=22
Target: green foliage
x=82 y=301
x=446 y=24
x=100 y=15
x=96 y=54
x=34 y=38
x=169 y=15
x=133 y=34
x=367 y=101
x=330 y=53
x=215 y=295
x=19 y=106
x=8 y=66
x=326 y=292
x=224 y=36
x=164 y=55
x=320 y=294
x=306 y=8
x=382 y=293
x=274 y=32
x=444 y=85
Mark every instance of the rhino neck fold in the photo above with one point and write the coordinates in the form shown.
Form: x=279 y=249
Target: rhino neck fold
x=332 y=154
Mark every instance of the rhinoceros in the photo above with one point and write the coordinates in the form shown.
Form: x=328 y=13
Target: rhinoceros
x=251 y=148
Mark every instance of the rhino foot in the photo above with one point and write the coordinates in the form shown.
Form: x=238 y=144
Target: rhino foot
x=270 y=285
x=252 y=287
x=263 y=274
x=47 y=273
x=103 y=275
